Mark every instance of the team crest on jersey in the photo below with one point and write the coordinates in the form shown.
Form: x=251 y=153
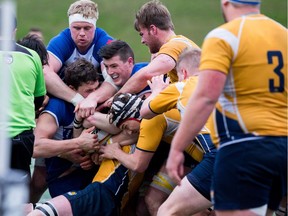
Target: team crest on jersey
x=8 y=59
x=72 y=193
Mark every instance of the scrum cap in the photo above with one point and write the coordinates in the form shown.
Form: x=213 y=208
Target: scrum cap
x=125 y=106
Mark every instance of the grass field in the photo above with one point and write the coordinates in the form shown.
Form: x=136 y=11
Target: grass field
x=192 y=18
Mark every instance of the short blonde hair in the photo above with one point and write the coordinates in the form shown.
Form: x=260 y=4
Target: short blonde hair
x=87 y=8
x=190 y=58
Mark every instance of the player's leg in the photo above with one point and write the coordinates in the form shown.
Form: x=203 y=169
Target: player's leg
x=38 y=183
x=56 y=206
x=193 y=194
x=184 y=200
x=282 y=210
x=160 y=188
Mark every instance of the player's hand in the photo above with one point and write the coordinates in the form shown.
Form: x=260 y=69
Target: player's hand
x=157 y=83
x=109 y=151
x=95 y=158
x=86 y=107
x=87 y=163
x=88 y=142
x=75 y=156
x=174 y=165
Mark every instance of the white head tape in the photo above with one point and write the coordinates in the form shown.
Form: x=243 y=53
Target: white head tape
x=81 y=18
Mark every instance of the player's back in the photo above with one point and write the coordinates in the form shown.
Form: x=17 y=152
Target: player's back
x=254 y=98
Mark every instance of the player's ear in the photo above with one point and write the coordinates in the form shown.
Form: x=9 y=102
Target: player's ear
x=130 y=60
x=153 y=29
x=225 y=2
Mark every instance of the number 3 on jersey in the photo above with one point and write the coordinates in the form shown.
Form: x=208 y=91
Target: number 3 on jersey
x=272 y=86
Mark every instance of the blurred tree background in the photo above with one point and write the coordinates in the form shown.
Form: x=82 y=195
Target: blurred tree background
x=192 y=18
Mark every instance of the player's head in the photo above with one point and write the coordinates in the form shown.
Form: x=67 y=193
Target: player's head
x=188 y=62
x=151 y=19
x=118 y=59
x=125 y=111
x=83 y=15
x=82 y=76
x=35 y=43
x=83 y=11
x=246 y=6
x=153 y=13
x=36 y=31
x=116 y=47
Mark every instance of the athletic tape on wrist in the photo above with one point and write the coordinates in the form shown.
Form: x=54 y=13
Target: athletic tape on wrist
x=76 y=99
x=77 y=126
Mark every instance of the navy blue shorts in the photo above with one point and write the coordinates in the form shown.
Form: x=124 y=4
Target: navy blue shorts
x=94 y=200
x=201 y=176
x=77 y=180
x=250 y=174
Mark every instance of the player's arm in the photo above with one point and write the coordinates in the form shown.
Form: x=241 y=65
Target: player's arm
x=55 y=86
x=87 y=106
x=199 y=108
x=138 y=161
x=157 y=84
x=145 y=148
x=101 y=121
x=161 y=64
x=133 y=161
x=45 y=146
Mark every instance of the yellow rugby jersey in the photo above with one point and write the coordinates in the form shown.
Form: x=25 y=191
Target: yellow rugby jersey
x=167 y=124
x=173 y=47
x=252 y=52
x=109 y=167
x=114 y=175
x=176 y=95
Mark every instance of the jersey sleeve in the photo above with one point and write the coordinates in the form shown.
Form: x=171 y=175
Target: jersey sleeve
x=217 y=50
x=149 y=138
x=60 y=110
x=165 y=100
x=61 y=46
x=101 y=38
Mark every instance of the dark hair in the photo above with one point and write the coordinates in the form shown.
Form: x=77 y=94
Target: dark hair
x=80 y=71
x=116 y=47
x=153 y=13
x=33 y=42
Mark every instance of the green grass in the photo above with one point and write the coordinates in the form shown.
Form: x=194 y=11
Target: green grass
x=192 y=18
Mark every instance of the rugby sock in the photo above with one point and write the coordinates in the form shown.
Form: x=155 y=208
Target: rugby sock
x=281 y=212
x=47 y=209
